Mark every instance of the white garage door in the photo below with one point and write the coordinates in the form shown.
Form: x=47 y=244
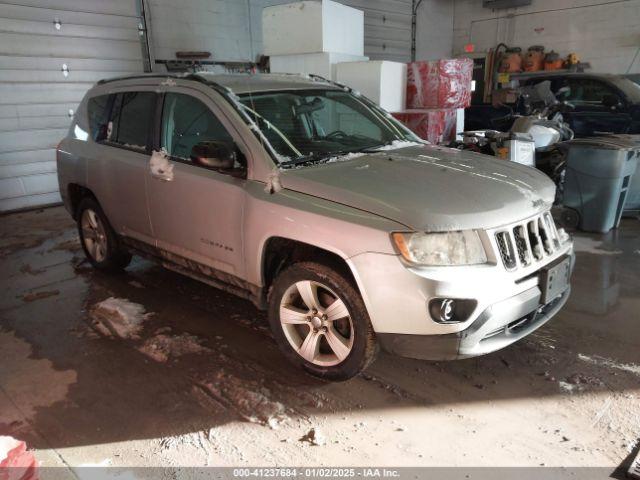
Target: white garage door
x=39 y=41
x=387 y=28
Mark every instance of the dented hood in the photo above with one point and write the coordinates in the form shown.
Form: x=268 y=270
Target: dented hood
x=429 y=188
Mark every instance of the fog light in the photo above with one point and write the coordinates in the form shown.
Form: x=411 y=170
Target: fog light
x=449 y=310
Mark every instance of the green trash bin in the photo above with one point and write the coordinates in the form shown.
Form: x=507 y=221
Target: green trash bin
x=598 y=175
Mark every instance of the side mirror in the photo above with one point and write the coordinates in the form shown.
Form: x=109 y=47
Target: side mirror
x=611 y=101
x=214 y=155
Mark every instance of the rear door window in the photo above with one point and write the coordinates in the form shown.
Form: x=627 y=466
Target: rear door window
x=131 y=119
x=588 y=91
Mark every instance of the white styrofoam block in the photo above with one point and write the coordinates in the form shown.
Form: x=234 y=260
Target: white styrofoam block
x=323 y=64
x=381 y=81
x=312 y=27
x=459 y=123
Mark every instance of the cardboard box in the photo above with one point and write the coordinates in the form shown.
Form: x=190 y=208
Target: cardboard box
x=437 y=125
x=312 y=27
x=323 y=64
x=440 y=83
x=381 y=81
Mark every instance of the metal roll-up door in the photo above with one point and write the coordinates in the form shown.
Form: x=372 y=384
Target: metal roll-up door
x=387 y=28
x=51 y=52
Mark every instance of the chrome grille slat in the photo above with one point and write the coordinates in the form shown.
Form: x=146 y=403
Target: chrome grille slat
x=505 y=247
x=522 y=245
x=528 y=242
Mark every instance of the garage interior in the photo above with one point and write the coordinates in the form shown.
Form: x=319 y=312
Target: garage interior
x=203 y=384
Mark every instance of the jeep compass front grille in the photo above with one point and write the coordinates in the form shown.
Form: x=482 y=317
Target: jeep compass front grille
x=527 y=242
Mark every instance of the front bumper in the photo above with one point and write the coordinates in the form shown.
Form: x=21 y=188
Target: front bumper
x=509 y=304
x=497 y=327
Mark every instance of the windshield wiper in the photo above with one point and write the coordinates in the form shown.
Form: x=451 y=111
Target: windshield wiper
x=375 y=148
x=315 y=157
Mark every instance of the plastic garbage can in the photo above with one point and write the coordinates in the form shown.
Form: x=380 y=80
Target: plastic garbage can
x=632 y=204
x=597 y=179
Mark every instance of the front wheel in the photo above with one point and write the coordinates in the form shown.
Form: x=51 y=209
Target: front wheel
x=320 y=323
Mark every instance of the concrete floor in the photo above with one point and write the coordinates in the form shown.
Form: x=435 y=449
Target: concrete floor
x=567 y=395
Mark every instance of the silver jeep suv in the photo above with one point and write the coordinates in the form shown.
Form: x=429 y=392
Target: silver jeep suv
x=306 y=198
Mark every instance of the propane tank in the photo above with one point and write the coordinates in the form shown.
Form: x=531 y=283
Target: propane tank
x=511 y=61
x=552 y=61
x=534 y=59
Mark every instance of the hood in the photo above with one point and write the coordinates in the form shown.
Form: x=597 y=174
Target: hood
x=429 y=188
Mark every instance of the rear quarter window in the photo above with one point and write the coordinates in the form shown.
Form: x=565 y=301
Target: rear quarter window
x=98 y=112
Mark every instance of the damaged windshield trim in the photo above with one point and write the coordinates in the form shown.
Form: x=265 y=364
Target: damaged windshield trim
x=379 y=114
x=271 y=126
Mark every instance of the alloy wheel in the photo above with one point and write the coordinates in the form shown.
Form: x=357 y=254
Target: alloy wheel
x=317 y=323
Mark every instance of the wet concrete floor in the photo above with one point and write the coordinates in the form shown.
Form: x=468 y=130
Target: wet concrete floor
x=567 y=395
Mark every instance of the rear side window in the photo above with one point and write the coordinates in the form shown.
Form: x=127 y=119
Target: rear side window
x=588 y=91
x=131 y=119
x=98 y=109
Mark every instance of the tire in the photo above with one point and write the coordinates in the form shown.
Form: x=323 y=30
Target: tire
x=570 y=218
x=309 y=340
x=100 y=243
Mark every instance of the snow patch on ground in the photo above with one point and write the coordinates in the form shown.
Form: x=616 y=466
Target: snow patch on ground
x=164 y=347
x=159 y=164
x=607 y=362
x=118 y=317
x=252 y=402
x=589 y=245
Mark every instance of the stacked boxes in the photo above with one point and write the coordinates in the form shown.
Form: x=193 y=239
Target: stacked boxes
x=323 y=64
x=440 y=84
x=436 y=93
x=311 y=37
x=381 y=81
x=326 y=38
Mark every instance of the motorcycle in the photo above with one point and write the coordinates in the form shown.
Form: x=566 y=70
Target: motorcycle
x=532 y=136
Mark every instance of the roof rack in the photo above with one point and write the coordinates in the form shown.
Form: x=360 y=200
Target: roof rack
x=145 y=75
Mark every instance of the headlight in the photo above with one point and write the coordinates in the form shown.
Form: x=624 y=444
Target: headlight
x=448 y=248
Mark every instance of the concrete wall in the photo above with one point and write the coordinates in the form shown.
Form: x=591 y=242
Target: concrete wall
x=605 y=33
x=434 y=35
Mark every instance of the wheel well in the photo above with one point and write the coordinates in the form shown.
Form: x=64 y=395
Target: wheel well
x=76 y=194
x=279 y=253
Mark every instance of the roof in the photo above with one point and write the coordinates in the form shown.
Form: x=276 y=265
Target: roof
x=239 y=83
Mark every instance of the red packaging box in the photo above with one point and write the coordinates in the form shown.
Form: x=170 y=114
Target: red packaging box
x=440 y=83
x=437 y=125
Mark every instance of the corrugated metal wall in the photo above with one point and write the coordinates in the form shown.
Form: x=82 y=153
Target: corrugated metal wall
x=232 y=29
x=387 y=28
x=96 y=39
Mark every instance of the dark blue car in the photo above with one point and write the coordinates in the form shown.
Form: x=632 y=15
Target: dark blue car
x=602 y=103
